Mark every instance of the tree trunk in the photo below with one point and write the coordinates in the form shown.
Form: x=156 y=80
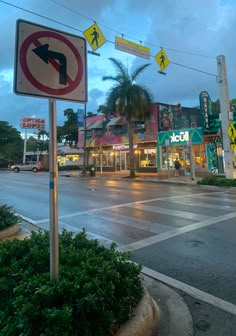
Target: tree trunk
x=131 y=149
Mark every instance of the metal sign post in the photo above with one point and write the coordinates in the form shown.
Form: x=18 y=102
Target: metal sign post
x=53 y=185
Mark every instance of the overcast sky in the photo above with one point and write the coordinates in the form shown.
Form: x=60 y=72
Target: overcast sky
x=192 y=32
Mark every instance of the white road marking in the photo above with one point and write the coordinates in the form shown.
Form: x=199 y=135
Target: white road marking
x=125 y=204
x=230 y=200
x=176 y=232
x=170 y=212
x=132 y=222
x=192 y=291
x=205 y=205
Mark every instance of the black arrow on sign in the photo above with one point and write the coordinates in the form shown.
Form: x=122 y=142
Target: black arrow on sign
x=46 y=54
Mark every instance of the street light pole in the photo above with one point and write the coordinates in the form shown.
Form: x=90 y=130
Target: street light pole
x=85 y=131
x=225 y=121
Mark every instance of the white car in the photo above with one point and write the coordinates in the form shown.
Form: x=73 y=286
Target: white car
x=30 y=166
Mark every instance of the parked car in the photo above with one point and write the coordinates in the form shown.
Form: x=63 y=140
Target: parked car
x=31 y=166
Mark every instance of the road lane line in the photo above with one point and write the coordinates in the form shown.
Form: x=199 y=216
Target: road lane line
x=192 y=291
x=176 y=232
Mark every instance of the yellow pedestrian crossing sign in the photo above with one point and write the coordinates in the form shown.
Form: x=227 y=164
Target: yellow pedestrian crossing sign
x=94 y=36
x=232 y=132
x=162 y=59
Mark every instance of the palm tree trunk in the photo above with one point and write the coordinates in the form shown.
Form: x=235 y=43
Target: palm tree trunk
x=131 y=149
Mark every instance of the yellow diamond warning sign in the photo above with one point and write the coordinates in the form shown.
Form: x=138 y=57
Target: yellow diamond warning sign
x=162 y=59
x=94 y=36
x=232 y=132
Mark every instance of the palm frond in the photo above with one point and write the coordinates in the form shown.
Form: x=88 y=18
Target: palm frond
x=119 y=66
x=137 y=71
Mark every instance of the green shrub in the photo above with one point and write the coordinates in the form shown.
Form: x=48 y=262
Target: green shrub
x=219 y=181
x=97 y=290
x=7 y=217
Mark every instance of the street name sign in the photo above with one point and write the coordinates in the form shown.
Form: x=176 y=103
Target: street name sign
x=132 y=48
x=162 y=59
x=50 y=63
x=36 y=123
x=94 y=36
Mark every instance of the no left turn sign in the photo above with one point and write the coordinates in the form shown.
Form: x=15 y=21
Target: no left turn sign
x=50 y=63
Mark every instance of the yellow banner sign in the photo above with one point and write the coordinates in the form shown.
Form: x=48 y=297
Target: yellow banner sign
x=162 y=59
x=132 y=48
x=94 y=36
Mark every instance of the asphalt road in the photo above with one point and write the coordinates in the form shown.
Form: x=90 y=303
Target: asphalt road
x=186 y=233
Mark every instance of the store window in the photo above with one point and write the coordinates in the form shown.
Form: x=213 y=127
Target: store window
x=147 y=157
x=182 y=153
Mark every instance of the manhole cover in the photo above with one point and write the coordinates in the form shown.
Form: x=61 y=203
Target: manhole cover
x=202 y=325
x=195 y=243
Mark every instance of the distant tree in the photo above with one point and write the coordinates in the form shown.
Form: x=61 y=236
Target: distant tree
x=11 y=143
x=69 y=131
x=32 y=144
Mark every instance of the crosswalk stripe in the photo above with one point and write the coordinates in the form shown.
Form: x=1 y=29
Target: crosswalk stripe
x=176 y=232
x=133 y=222
x=169 y=212
x=204 y=205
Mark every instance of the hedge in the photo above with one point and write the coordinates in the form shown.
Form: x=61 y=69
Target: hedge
x=97 y=290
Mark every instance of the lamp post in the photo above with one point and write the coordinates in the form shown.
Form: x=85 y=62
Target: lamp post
x=84 y=161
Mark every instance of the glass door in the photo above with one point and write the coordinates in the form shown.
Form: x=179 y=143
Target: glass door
x=186 y=160
x=124 y=161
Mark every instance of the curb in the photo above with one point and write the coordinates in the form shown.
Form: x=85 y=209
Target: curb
x=145 y=320
x=175 y=316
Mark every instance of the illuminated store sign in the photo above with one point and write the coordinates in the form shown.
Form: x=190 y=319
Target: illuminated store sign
x=122 y=147
x=181 y=137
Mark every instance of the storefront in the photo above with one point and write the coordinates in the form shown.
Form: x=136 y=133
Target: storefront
x=179 y=144
x=116 y=157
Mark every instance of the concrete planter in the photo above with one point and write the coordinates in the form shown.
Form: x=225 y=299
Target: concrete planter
x=10 y=231
x=145 y=320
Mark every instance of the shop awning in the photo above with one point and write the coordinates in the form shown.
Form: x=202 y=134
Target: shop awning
x=116 y=121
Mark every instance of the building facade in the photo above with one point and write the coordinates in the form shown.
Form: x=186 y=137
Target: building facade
x=171 y=132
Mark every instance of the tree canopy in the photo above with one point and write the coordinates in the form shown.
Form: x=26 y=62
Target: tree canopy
x=11 y=143
x=69 y=131
x=128 y=99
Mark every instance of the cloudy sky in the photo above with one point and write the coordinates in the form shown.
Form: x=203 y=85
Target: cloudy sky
x=192 y=32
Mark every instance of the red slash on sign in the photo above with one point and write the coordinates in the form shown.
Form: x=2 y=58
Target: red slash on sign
x=50 y=63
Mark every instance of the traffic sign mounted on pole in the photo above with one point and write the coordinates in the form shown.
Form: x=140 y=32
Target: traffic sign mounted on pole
x=50 y=63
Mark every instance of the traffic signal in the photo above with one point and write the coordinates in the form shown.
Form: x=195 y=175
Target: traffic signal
x=214 y=124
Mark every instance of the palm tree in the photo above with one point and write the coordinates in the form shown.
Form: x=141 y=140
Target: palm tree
x=128 y=99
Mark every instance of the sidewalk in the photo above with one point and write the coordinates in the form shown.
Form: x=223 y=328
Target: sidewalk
x=141 y=177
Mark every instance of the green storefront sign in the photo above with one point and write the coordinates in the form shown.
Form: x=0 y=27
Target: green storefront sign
x=180 y=137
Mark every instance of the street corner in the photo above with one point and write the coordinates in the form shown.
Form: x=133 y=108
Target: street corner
x=175 y=317
x=145 y=319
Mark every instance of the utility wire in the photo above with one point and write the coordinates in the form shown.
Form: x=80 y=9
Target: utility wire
x=71 y=27
x=133 y=38
x=188 y=67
